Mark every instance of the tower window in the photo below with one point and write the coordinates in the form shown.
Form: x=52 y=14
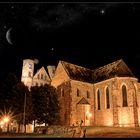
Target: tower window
x=29 y=74
x=30 y=66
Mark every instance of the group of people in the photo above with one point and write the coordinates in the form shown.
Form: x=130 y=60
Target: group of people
x=79 y=131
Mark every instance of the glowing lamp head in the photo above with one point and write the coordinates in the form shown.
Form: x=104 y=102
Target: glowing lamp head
x=6 y=119
x=1 y=123
x=87 y=112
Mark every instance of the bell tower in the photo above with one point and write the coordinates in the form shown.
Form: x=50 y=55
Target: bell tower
x=27 y=72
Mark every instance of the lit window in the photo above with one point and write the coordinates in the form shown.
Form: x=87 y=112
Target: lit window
x=78 y=92
x=124 y=96
x=88 y=96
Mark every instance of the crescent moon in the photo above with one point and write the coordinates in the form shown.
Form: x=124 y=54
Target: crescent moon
x=8 y=36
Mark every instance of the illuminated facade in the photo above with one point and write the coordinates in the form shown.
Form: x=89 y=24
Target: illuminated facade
x=107 y=96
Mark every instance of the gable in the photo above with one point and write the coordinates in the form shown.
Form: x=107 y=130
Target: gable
x=115 y=69
x=83 y=101
x=60 y=75
x=43 y=72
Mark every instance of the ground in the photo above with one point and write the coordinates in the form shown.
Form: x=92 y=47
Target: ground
x=92 y=132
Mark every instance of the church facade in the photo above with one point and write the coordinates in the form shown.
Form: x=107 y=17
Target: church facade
x=106 y=96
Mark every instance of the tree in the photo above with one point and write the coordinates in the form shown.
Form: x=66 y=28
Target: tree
x=19 y=93
x=45 y=104
x=6 y=87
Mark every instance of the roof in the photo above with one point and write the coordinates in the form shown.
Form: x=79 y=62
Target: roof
x=83 y=101
x=79 y=73
x=115 y=69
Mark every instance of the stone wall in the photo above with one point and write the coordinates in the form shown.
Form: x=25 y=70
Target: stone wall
x=65 y=102
x=117 y=115
x=77 y=114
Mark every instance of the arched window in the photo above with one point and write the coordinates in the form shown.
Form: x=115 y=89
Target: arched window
x=107 y=98
x=98 y=100
x=78 y=92
x=124 y=96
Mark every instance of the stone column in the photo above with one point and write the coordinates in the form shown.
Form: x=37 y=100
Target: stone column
x=135 y=111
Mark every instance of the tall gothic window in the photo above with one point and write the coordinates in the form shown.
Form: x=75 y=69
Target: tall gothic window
x=98 y=100
x=107 y=98
x=124 y=96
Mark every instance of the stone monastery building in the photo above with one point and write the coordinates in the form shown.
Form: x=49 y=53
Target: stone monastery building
x=106 y=96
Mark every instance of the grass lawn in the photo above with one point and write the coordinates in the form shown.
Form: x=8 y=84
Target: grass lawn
x=99 y=132
x=113 y=132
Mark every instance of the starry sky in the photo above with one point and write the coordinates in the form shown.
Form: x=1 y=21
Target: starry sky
x=87 y=34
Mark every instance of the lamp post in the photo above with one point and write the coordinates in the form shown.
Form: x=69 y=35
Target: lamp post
x=24 y=129
x=6 y=120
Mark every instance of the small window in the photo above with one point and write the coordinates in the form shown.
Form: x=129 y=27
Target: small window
x=38 y=77
x=45 y=77
x=62 y=92
x=78 y=92
x=88 y=96
x=29 y=74
x=42 y=76
x=30 y=66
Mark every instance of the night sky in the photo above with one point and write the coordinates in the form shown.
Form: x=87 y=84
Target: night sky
x=87 y=34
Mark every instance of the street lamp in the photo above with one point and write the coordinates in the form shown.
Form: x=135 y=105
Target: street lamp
x=6 y=120
x=24 y=127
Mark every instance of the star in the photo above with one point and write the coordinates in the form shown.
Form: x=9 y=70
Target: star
x=102 y=11
x=12 y=7
x=52 y=49
x=4 y=27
